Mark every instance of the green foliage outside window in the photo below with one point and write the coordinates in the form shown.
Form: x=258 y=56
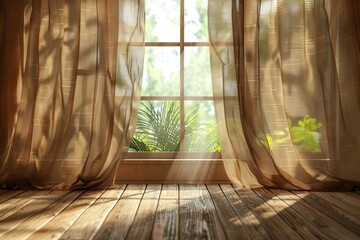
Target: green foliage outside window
x=304 y=135
x=158 y=129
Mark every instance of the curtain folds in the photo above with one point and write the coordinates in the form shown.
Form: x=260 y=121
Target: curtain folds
x=286 y=78
x=70 y=87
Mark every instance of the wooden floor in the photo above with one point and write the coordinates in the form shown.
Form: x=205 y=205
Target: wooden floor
x=179 y=212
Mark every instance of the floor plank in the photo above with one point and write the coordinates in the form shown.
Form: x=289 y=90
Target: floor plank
x=255 y=229
x=166 y=225
x=35 y=222
x=326 y=225
x=140 y=211
x=295 y=220
x=232 y=224
x=6 y=194
x=198 y=217
x=144 y=219
x=39 y=202
x=336 y=215
x=269 y=218
x=349 y=198
x=338 y=203
x=86 y=226
x=14 y=204
x=62 y=222
x=119 y=220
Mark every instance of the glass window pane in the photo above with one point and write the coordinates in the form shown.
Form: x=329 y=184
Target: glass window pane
x=197 y=76
x=161 y=72
x=200 y=127
x=158 y=127
x=162 y=21
x=196 y=23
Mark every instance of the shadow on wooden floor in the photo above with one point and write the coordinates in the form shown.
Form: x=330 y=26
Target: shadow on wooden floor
x=140 y=211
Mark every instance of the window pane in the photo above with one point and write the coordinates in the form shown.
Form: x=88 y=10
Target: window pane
x=161 y=72
x=162 y=21
x=158 y=127
x=200 y=127
x=197 y=77
x=196 y=24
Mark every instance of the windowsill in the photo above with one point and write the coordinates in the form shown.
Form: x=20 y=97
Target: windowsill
x=173 y=155
x=184 y=171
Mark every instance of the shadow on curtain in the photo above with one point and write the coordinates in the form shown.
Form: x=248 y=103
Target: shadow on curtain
x=286 y=75
x=70 y=86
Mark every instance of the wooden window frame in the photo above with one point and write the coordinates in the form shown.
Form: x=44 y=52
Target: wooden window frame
x=174 y=167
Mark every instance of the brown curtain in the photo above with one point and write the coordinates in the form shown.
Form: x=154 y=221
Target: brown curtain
x=70 y=85
x=286 y=77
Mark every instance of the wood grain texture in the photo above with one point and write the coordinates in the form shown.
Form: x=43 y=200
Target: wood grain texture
x=295 y=220
x=197 y=214
x=254 y=227
x=144 y=220
x=338 y=203
x=63 y=221
x=179 y=212
x=327 y=226
x=231 y=223
x=38 y=203
x=349 y=198
x=6 y=194
x=331 y=212
x=119 y=220
x=14 y=204
x=35 y=222
x=166 y=225
x=86 y=226
x=269 y=218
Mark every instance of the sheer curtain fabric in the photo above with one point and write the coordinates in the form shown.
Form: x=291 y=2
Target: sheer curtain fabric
x=70 y=85
x=286 y=79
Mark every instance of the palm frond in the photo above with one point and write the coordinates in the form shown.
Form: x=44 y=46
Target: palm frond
x=158 y=128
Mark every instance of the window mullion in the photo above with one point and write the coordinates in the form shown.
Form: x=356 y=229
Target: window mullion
x=182 y=103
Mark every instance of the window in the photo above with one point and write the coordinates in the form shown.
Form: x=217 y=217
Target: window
x=177 y=82
x=176 y=117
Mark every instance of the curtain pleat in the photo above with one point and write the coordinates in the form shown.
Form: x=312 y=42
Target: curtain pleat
x=286 y=83
x=71 y=76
